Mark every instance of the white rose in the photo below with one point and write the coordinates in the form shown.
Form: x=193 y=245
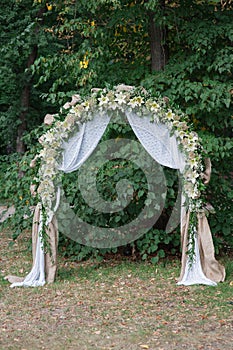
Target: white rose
x=49 y=119
x=33 y=190
x=75 y=99
x=123 y=87
x=33 y=162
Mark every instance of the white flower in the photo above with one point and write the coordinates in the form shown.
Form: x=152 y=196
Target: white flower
x=154 y=106
x=49 y=119
x=46 y=185
x=188 y=146
x=69 y=122
x=180 y=134
x=33 y=190
x=136 y=101
x=112 y=105
x=191 y=190
x=123 y=87
x=51 y=161
x=192 y=147
x=67 y=126
x=49 y=137
x=133 y=103
x=47 y=171
x=77 y=110
x=55 y=144
x=33 y=162
x=103 y=100
x=193 y=163
x=75 y=98
x=194 y=193
x=67 y=105
x=43 y=153
x=193 y=136
x=86 y=105
x=170 y=115
x=120 y=98
x=192 y=175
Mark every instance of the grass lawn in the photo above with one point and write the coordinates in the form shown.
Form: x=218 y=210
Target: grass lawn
x=113 y=305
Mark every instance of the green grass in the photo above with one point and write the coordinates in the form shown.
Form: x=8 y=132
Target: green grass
x=115 y=304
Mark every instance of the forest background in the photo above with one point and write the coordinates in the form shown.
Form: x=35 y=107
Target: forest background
x=182 y=50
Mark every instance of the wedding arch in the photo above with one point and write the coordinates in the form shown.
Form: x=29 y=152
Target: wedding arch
x=165 y=135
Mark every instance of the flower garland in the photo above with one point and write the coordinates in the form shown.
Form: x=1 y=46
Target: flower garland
x=118 y=100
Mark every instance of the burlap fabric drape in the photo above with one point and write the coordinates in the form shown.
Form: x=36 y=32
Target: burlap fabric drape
x=210 y=266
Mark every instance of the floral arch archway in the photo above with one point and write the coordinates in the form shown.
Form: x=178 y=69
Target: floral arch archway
x=164 y=134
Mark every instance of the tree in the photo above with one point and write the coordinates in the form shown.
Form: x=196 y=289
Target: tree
x=157 y=35
x=21 y=39
x=81 y=45
x=199 y=78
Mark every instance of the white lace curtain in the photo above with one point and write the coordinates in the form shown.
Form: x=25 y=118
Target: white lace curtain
x=80 y=146
x=156 y=139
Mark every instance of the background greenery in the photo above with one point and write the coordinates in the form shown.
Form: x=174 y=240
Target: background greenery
x=52 y=50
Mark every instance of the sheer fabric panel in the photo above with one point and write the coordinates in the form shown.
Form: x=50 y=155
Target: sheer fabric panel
x=36 y=276
x=156 y=139
x=80 y=146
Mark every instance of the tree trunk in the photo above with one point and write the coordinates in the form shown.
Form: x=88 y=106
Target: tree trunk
x=25 y=102
x=157 y=34
x=25 y=96
x=20 y=146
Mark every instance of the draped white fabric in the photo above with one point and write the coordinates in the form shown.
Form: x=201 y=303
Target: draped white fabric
x=156 y=139
x=80 y=146
x=36 y=276
x=193 y=273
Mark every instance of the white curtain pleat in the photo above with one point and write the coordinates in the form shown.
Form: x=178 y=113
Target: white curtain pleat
x=156 y=139
x=80 y=146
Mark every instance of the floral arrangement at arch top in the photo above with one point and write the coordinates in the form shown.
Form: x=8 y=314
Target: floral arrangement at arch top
x=113 y=101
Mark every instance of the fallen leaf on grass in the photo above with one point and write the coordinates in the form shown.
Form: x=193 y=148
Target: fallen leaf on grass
x=144 y=346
